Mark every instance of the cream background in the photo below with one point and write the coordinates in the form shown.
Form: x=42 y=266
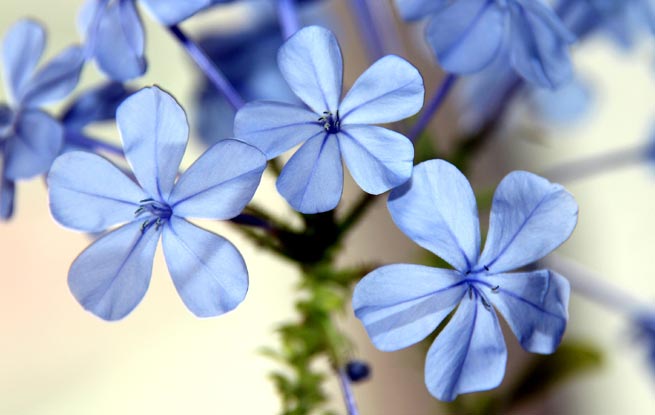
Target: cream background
x=57 y=359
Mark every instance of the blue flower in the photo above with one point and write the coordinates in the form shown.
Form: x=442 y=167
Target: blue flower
x=378 y=159
x=247 y=58
x=467 y=35
x=402 y=304
x=644 y=324
x=486 y=96
x=115 y=36
x=30 y=139
x=90 y=194
x=623 y=20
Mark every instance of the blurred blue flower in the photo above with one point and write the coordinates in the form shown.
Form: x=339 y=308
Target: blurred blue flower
x=98 y=104
x=378 y=159
x=486 y=95
x=90 y=194
x=467 y=35
x=115 y=36
x=623 y=20
x=644 y=323
x=402 y=304
x=247 y=58
x=30 y=139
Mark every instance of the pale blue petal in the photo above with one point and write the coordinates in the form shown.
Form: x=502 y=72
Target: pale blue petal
x=437 y=210
x=90 y=194
x=170 y=12
x=469 y=355
x=390 y=90
x=35 y=145
x=111 y=276
x=118 y=42
x=418 y=9
x=530 y=217
x=467 y=35
x=312 y=180
x=377 y=158
x=21 y=50
x=155 y=132
x=534 y=304
x=220 y=183
x=539 y=44
x=55 y=80
x=401 y=304
x=208 y=271
x=275 y=127
x=311 y=63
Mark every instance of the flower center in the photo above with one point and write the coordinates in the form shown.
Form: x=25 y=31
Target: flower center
x=157 y=213
x=331 y=123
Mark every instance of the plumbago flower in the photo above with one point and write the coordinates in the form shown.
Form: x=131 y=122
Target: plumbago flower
x=402 y=304
x=624 y=20
x=115 y=36
x=90 y=194
x=378 y=159
x=30 y=139
x=467 y=35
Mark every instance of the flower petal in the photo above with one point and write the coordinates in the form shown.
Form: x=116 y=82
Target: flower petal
x=312 y=180
x=401 y=304
x=35 y=145
x=535 y=305
x=170 y=12
x=377 y=158
x=311 y=63
x=390 y=90
x=530 y=217
x=275 y=127
x=118 y=41
x=56 y=79
x=111 y=276
x=418 y=9
x=539 y=44
x=154 y=131
x=220 y=183
x=469 y=355
x=90 y=194
x=467 y=35
x=21 y=50
x=208 y=271
x=95 y=104
x=437 y=210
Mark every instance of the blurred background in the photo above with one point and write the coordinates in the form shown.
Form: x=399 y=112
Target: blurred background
x=55 y=358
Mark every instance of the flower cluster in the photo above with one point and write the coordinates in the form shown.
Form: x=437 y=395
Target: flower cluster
x=508 y=44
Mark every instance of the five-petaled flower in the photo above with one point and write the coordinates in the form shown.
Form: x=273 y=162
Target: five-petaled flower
x=467 y=35
x=89 y=193
x=378 y=159
x=402 y=304
x=30 y=139
x=115 y=36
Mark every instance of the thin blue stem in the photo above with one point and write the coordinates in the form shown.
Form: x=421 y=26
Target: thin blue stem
x=348 y=396
x=207 y=66
x=78 y=138
x=432 y=107
x=367 y=26
x=592 y=166
x=287 y=12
